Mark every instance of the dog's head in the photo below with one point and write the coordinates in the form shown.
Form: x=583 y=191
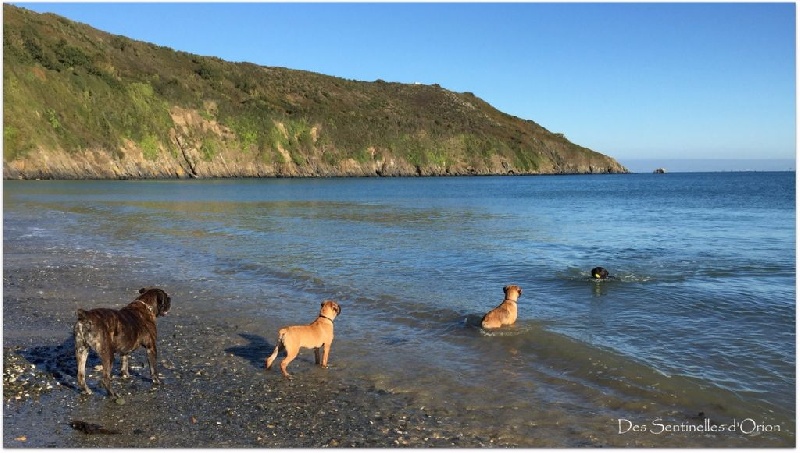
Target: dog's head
x=157 y=299
x=330 y=309
x=512 y=292
x=599 y=273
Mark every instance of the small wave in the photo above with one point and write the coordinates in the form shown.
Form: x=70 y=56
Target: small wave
x=574 y=274
x=34 y=232
x=512 y=331
x=473 y=321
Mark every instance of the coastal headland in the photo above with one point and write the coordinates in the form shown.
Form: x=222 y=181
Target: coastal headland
x=80 y=103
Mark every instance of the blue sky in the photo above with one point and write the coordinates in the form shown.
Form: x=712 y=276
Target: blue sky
x=631 y=80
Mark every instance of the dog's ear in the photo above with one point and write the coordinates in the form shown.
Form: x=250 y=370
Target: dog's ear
x=142 y=290
x=505 y=288
x=520 y=290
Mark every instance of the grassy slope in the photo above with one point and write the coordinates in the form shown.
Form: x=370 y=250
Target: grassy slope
x=72 y=88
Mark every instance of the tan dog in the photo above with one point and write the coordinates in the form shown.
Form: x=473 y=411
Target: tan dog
x=318 y=334
x=504 y=314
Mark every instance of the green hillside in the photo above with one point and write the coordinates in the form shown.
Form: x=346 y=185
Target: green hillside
x=82 y=103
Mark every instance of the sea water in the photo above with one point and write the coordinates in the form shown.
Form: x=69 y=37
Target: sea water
x=700 y=316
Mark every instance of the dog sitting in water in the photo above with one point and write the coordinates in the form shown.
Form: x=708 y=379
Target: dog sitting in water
x=122 y=331
x=504 y=314
x=318 y=334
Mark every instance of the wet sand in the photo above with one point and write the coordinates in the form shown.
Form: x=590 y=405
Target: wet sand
x=215 y=391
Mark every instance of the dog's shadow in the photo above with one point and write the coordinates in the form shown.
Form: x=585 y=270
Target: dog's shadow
x=255 y=351
x=59 y=362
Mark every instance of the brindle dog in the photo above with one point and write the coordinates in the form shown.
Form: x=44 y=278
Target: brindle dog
x=122 y=331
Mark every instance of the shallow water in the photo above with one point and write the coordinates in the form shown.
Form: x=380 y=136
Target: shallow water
x=701 y=316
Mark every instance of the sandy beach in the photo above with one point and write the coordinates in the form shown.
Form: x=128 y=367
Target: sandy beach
x=215 y=391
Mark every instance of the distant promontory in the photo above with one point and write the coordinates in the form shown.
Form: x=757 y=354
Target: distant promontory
x=80 y=103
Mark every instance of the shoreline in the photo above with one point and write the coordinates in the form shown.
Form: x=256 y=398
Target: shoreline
x=215 y=391
x=52 y=177
x=371 y=176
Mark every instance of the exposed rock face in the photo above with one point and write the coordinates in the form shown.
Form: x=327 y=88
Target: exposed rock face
x=186 y=160
x=99 y=164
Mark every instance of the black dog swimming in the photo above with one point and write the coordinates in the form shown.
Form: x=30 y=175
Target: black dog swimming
x=600 y=273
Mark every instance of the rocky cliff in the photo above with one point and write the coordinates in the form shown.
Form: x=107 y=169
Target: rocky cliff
x=80 y=103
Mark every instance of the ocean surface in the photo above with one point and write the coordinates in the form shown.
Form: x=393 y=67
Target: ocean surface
x=700 y=317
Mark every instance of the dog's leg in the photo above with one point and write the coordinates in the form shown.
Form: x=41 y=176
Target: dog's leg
x=152 y=357
x=107 y=357
x=326 y=349
x=317 y=356
x=123 y=358
x=81 y=354
x=290 y=355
